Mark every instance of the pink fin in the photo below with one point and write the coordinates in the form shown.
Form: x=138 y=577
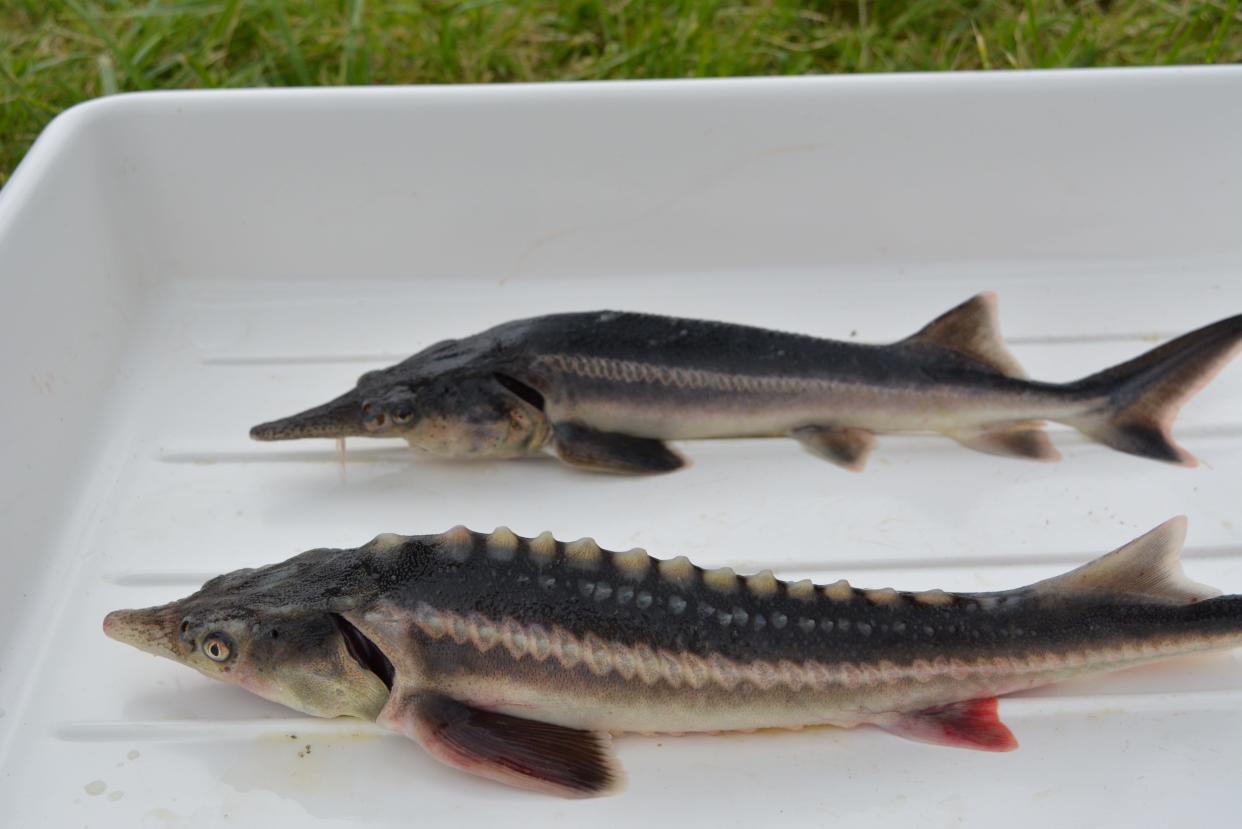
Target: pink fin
x=969 y=724
x=529 y=754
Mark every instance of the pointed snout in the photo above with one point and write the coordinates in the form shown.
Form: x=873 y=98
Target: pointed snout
x=153 y=629
x=339 y=418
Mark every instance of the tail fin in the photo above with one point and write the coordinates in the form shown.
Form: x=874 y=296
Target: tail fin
x=1145 y=394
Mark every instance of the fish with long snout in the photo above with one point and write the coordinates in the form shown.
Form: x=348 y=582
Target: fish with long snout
x=516 y=658
x=606 y=390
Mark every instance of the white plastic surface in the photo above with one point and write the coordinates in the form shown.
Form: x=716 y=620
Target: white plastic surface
x=178 y=267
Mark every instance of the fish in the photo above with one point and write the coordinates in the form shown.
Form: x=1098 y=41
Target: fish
x=607 y=390
x=517 y=659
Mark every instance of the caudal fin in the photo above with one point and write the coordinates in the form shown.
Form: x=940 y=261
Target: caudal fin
x=1143 y=396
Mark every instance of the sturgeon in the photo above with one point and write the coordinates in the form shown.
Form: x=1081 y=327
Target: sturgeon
x=517 y=658
x=605 y=390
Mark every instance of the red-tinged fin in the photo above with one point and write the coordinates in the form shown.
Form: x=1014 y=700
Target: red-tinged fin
x=972 y=330
x=970 y=724
x=528 y=754
x=1145 y=394
x=1149 y=567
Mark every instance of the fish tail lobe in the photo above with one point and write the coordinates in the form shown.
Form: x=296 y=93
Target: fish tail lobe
x=1143 y=396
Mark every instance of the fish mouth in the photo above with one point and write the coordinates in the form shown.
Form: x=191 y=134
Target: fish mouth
x=339 y=418
x=364 y=651
x=152 y=629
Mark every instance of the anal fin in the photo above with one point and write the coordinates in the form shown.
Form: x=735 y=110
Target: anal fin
x=845 y=446
x=528 y=754
x=1025 y=439
x=969 y=724
x=580 y=445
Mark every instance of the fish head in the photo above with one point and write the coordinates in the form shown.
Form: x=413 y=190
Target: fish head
x=243 y=629
x=445 y=407
x=477 y=414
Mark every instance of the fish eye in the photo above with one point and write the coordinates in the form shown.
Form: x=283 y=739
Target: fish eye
x=217 y=648
x=367 y=407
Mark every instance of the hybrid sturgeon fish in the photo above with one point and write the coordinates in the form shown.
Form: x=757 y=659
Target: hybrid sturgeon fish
x=605 y=390
x=517 y=658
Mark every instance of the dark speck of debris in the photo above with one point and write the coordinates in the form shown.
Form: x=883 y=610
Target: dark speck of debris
x=854 y=333
x=293 y=736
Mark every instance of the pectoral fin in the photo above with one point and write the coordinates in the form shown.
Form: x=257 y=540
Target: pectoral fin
x=969 y=724
x=525 y=753
x=589 y=448
x=843 y=445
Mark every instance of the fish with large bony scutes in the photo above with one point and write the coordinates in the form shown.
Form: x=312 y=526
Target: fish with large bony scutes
x=605 y=390
x=517 y=658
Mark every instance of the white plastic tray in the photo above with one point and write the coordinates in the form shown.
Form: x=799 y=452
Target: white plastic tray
x=178 y=267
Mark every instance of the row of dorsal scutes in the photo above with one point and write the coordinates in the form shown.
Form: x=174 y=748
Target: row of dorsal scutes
x=502 y=544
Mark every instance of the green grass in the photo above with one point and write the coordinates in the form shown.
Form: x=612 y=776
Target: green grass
x=54 y=53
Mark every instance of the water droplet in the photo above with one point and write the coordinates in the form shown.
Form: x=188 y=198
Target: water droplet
x=95 y=788
x=676 y=604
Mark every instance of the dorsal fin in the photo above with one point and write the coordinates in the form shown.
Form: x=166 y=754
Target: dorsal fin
x=972 y=330
x=1149 y=566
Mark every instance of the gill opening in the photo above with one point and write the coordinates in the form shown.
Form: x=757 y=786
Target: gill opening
x=523 y=391
x=365 y=652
